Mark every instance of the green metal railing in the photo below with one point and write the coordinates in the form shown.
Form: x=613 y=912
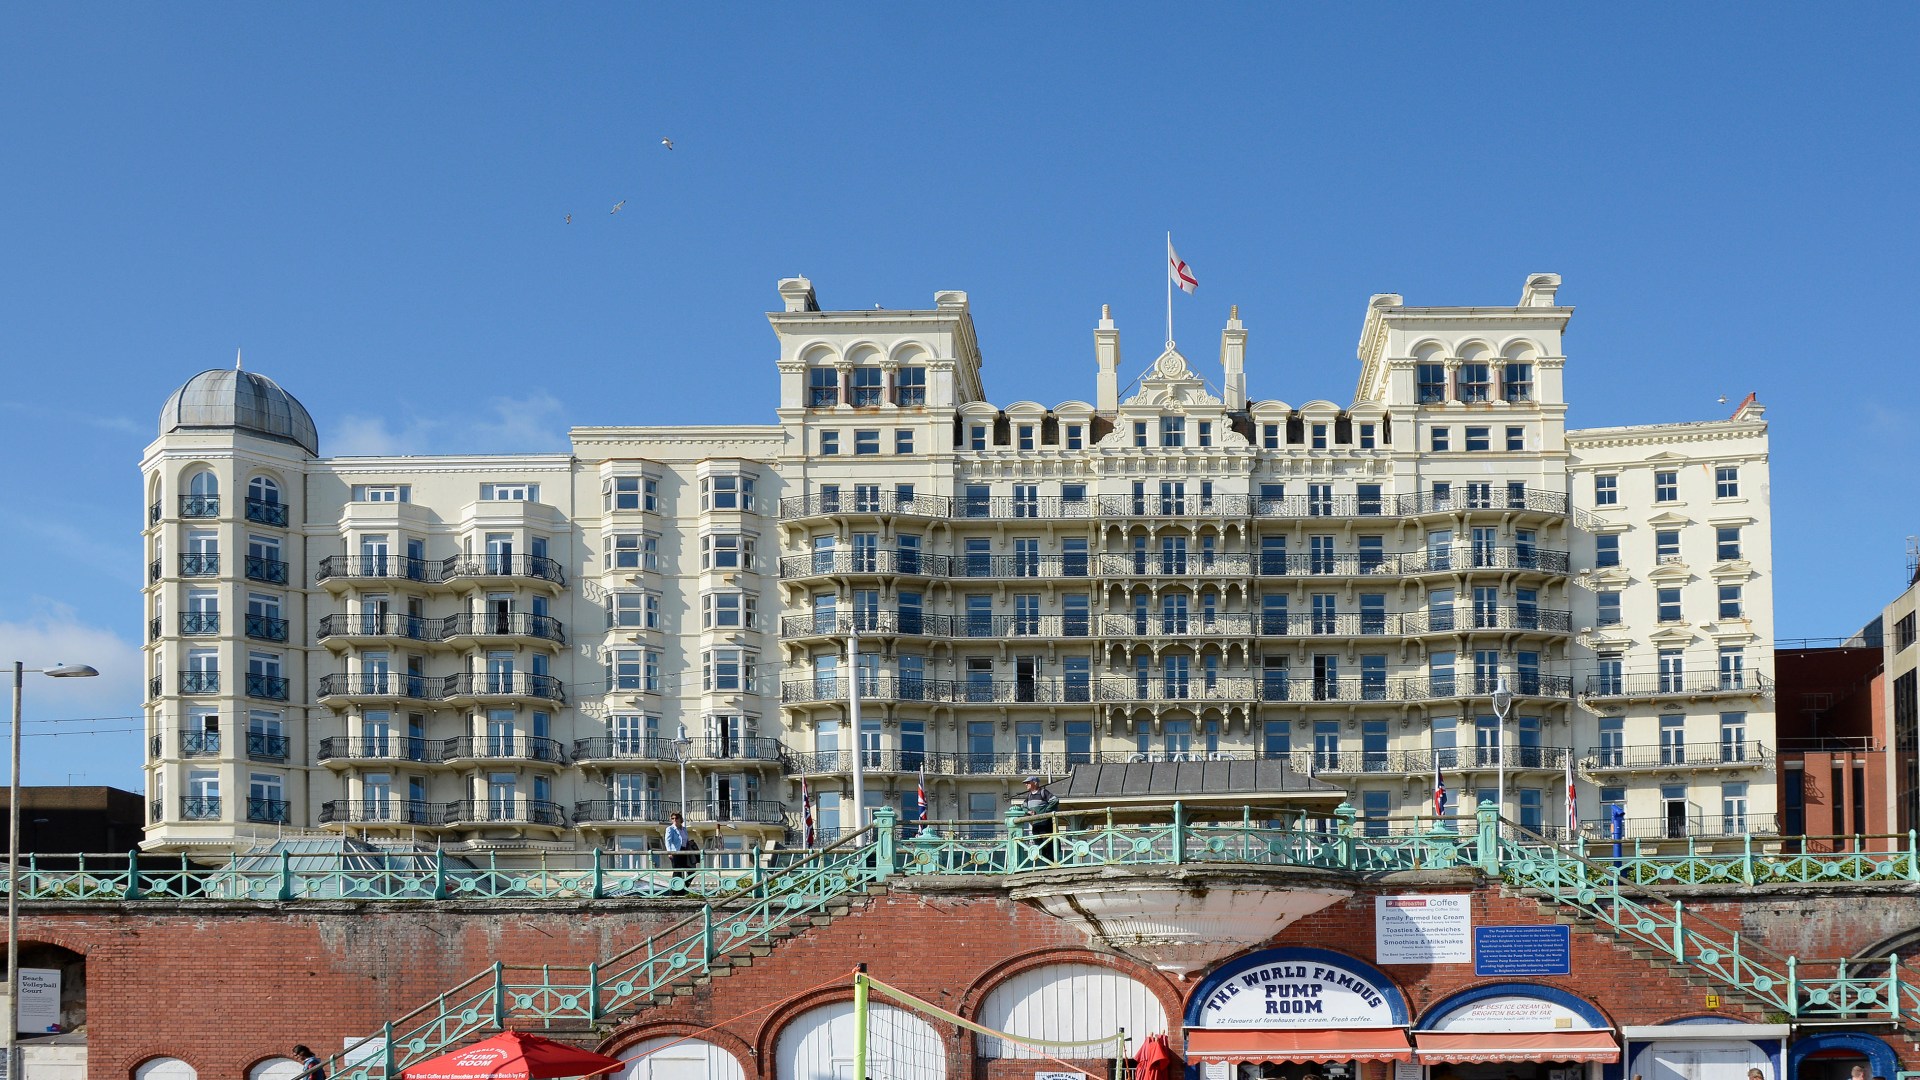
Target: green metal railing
x=763 y=911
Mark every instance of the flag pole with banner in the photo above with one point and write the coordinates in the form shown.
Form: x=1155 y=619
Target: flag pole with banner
x=1178 y=273
x=1573 y=803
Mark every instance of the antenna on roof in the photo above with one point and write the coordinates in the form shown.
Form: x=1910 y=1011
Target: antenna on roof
x=1913 y=558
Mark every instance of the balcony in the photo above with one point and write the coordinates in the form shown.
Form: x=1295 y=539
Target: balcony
x=1708 y=684
x=377 y=568
x=747 y=811
x=478 y=569
x=1372 y=688
x=262 y=746
x=200 y=808
x=1458 y=558
x=864 y=561
x=1164 y=625
x=261 y=512
x=196 y=623
x=872 y=688
x=746 y=748
x=841 y=623
x=1684 y=826
x=507 y=811
x=153 y=514
x=199 y=681
x=266 y=628
x=620 y=812
x=380 y=748
x=378 y=685
x=266 y=687
x=980 y=565
x=1703 y=755
x=153 y=687
x=194 y=744
x=514 y=747
x=377 y=812
x=1155 y=504
x=199 y=564
x=1465 y=619
x=153 y=571
x=270 y=811
x=373 y=625
x=199 y=506
x=481 y=685
x=853 y=502
x=1158 y=687
x=501 y=624
x=1520 y=758
x=1022 y=626
x=623 y=748
x=271 y=571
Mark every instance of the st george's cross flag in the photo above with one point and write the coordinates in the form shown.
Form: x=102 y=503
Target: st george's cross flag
x=1179 y=272
x=1439 y=790
x=806 y=813
x=1573 y=802
x=923 y=793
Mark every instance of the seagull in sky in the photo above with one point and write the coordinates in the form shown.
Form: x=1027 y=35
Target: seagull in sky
x=569 y=219
x=617 y=206
x=668 y=143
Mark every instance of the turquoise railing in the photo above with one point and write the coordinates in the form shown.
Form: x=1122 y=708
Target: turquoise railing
x=759 y=913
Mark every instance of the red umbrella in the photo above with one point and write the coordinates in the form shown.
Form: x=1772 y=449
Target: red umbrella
x=1155 y=1060
x=511 y=1056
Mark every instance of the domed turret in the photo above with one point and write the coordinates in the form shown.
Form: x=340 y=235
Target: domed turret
x=240 y=400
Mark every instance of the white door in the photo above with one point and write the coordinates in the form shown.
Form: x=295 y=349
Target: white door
x=275 y=1069
x=165 y=1068
x=1716 y=1059
x=1065 y=1002
x=818 y=1045
x=672 y=1058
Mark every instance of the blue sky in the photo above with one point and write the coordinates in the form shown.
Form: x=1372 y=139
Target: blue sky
x=370 y=199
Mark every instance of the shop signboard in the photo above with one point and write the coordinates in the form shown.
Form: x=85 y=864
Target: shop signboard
x=1522 y=950
x=1511 y=1012
x=1423 y=928
x=39 y=1010
x=1297 y=992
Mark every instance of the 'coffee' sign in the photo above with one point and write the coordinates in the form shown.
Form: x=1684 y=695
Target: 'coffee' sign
x=1296 y=993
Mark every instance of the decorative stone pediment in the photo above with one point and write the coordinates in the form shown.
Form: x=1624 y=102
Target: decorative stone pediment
x=1170 y=382
x=1670 y=573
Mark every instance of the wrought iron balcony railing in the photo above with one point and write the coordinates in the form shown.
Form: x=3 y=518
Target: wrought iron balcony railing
x=502 y=624
x=1450 y=559
x=270 y=811
x=261 y=512
x=864 y=561
x=199 y=622
x=1464 y=497
x=1702 y=755
x=153 y=687
x=503 y=811
x=380 y=748
x=199 y=506
x=200 y=808
x=199 y=564
x=269 y=687
x=646 y=811
x=873 y=687
x=199 y=681
x=536 y=567
x=199 y=744
x=266 y=628
x=502 y=684
x=153 y=514
x=978 y=565
x=623 y=748
x=1659 y=684
x=1684 y=827
x=999 y=626
x=851 y=501
x=749 y=811
x=378 y=812
x=271 y=571
x=374 y=624
x=153 y=570
x=384 y=567
x=745 y=748
x=502 y=747
x=379 y=684
x=263 y=746
x=835 y=623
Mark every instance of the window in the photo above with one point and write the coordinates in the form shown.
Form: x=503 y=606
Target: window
x=633 y=551
x=1076 y=439
x=1476 y=382
x=631 y=493
x=1726 y=482
x=1903 y=632
x=633 y=610
x=903 y=441
x=1270 y=436
x=1666 y=486
x=977 y=437
x=1318 y=436
x=1204 y=434
x=726 y=493
x=1173 y=431
x=1139 y=433
x=725 y=551
x=1606 y=608
x=829 y=442
x=633 y=669
x=1672 y=665
x=727 y=670
x=1516 y=438
x=1478 y=438
x=823 y=387
x=866 y=387
x=510 y=492
x=910 y=387
x=1024 y=437
x=1367 y=499
x=1517 y=382
x=866 y=442
x=1432 y=383
x=1441 y=438
x=383 y=493
x=1666 y=545
x=1726 y=543
x=1730 y=606
x=1669 y=604
x=728 y=610
x=1606 y=491
x=1367 y=437
x=1606 y=550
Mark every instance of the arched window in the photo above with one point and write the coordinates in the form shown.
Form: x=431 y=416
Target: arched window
x=165 y=1068
x=263 y=490
x=280 y=1068
x=673 y=1058
x=202 y=499
x=203 y=483
x=1068 y=1001
x=818 y=1045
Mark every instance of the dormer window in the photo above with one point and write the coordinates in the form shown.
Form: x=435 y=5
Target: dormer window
x=1140 y=433
x=1367 y=438
x=1173 y=431
x=1319 y=436
x=823 y=388
x=1204 y=435
x=1076 y=440
x=866 y=387
x=977 y=437
x=1026 y=436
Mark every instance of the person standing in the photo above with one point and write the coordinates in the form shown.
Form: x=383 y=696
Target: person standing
x=1039 y=802
x=310 y=1065
x=682 y=851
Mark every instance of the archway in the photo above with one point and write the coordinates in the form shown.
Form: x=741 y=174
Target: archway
x=818 y=1045
x=671 y=1057
x=1832 y=1055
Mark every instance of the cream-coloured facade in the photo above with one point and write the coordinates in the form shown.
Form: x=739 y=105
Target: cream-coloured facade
x=504 y=652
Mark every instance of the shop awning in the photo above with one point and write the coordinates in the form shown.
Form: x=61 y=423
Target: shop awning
x=1437 y=1047
x=1326 y=1044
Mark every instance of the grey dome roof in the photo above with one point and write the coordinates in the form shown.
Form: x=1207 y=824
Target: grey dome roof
x=242 y=400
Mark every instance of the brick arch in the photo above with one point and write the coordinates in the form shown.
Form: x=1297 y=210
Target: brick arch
x=1466 y=991
x=28 y=937
x=135 y=1060
x=246 y=1069
x=636 y=1032
x=1172 y=1001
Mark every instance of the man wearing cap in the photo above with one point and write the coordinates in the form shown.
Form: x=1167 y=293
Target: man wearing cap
x=1037 y=799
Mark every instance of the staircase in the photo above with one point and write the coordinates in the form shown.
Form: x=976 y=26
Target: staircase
x=725 y=935
x=1595 y=898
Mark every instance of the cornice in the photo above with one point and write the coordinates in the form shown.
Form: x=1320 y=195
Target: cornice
x=1701 y=431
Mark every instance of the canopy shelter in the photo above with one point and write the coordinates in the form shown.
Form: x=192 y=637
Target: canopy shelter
x=1202 y=784
x=1451 y=1047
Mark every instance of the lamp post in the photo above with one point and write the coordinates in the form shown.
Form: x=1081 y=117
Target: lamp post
x=682 y=750
x=1502 y=704
x=57 y=671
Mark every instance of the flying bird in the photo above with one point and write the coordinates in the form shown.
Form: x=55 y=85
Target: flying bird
x=569 y=219
x=668 y=143
x=617 y=206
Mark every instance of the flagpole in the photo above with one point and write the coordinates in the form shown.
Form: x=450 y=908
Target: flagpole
x=1169 y=290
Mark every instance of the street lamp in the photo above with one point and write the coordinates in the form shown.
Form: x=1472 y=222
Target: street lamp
x=1502 y=704
x=682 y=750
x=57 y=671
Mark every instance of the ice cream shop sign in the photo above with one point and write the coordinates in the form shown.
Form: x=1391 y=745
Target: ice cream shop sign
x=1296 y=990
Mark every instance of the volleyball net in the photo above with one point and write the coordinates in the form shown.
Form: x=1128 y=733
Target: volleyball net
x=895 y=1038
